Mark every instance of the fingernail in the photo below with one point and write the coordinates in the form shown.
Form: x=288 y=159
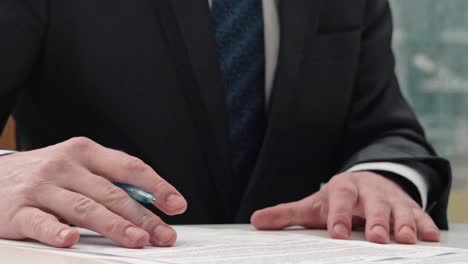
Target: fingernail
x=174 y=201
x=134 y=233
x=381 y=232
x=64 y=233
x=408 y=233
x=163 y=234
x=407 y=230
x=341 y=230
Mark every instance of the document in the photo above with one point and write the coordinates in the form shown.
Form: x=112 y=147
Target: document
x=207 y=245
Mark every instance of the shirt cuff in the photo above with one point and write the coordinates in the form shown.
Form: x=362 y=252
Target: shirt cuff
x=404 y=171
x=6 y=152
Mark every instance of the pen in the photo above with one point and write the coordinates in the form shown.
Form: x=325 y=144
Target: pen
x=136 y=193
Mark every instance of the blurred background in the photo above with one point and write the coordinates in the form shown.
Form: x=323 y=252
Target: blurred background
x=431 y=46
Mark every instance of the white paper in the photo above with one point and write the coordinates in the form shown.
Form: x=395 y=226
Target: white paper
x=205 y=245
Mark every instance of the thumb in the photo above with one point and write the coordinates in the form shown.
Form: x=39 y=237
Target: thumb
x=309 y=213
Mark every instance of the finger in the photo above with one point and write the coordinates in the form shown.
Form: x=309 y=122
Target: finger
x=427 y=230
x=404 y=227
x=377 y=213
x=115 y=199
x=117 y=166
x=85 y=212
x=38 y=225
x=309 y=212
x=342 y=197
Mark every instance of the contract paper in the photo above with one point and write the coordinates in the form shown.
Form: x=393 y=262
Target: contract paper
x=206 y=245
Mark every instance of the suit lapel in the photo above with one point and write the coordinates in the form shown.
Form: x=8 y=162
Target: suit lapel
x=194 y=21
x=298 y=19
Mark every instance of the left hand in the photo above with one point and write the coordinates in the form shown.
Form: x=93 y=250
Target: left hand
x=349 y=200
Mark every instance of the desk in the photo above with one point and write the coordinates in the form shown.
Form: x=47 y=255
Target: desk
x=456 y=237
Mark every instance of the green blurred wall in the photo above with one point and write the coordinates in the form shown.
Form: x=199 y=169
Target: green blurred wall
x=431 y=46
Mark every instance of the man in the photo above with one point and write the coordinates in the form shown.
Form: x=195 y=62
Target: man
x=240 y=105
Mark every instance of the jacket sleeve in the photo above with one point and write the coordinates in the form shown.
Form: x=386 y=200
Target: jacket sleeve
x=22 y=28
x=381 y=126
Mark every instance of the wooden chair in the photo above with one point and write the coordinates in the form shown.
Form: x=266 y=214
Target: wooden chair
x=8 y=138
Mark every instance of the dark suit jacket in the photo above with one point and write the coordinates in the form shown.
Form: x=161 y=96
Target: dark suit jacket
x=143 y=76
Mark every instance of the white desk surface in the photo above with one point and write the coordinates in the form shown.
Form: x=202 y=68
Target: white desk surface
x=456 y=237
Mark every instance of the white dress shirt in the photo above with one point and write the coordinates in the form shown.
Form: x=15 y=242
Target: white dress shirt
x=272 y=42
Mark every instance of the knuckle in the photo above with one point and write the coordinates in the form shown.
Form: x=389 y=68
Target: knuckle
x=115 y=196
x=116 y=226
x=344 y=179
x=314 y=208
x=31 y=190
x=379 y=217
x=58 y=163
x=342 y=218
x=345 y=176
x=162 y=185
x=333 y=181
x=80 y=143
x=394 y=201
x=421 y=216
x=417 y=212
x=345 y=190
x=148 y=220
x=84 y=207
x=384 y=202
x=405 y=216
x=134 y=164
x=39 y=222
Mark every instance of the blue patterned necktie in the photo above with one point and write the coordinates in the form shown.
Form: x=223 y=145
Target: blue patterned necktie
x=241 y=46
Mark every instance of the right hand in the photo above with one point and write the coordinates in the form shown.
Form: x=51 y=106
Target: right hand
x=72 y=181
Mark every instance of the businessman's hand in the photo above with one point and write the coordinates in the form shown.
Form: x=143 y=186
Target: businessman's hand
x=349 y=200
x=72 y=181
